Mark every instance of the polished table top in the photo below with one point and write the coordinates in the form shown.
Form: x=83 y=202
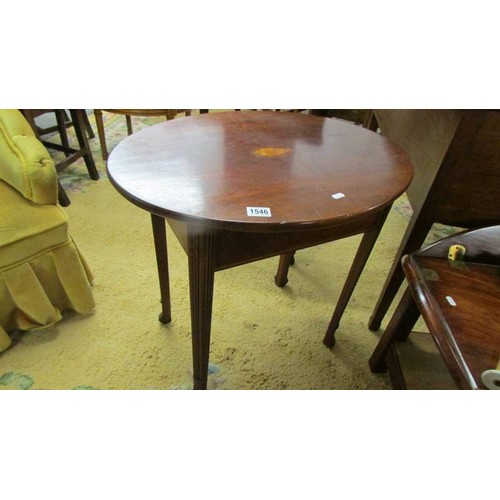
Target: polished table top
x=216 y=169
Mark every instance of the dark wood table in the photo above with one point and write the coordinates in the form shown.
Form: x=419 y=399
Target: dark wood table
x=237 y=187
x=459 y=299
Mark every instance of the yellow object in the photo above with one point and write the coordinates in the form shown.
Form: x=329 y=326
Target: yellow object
x=41 y=270
x=456 y=252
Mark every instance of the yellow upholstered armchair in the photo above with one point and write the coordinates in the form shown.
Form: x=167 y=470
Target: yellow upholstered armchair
x=41 y=270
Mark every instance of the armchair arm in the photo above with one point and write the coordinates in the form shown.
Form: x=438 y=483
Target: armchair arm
x=25 y=164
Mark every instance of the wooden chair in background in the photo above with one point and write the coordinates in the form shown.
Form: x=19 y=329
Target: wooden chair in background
x=63 y=122
x=80 y=122
x=128 y=113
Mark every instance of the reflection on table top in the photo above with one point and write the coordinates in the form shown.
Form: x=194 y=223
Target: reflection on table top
x=211 y=168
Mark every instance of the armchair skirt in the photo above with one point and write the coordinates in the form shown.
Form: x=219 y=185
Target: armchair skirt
x=42 y=271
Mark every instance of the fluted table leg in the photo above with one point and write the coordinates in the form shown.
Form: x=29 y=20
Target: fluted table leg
x=201 y=257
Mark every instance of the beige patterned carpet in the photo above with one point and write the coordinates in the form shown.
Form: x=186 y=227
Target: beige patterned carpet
x=263 y=337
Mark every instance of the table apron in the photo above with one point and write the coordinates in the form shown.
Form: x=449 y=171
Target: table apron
x=235 y=248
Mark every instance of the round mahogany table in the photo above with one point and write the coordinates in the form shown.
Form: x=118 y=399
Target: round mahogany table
x=237 y=187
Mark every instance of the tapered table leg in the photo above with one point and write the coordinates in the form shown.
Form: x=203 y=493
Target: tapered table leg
x=286 y=260
x=365 y=247
x=160 y=240
x=201 y=258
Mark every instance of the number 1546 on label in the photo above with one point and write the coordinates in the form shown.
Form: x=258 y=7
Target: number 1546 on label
x=258 y=211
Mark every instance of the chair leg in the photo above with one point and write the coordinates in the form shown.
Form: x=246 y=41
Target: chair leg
x=100 y=132
x=86 y=122
x=413 y=239
x=76 y=118
x=88 y=126
x=400 y=325
x=61 y=119
x=64 y=200
x=128 y=118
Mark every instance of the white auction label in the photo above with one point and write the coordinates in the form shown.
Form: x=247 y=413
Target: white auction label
x=451 y=301
x=258 y=212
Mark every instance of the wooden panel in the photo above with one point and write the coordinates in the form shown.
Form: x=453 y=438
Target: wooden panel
x=425 y=134
x=466 y=190
x=456 y=156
